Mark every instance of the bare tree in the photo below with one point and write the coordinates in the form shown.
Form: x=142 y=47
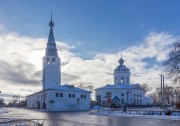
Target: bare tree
x=1 y=102
x=88 y=87
x=146 y=87
x=15 y=99
x=169 y=94
x=155 y=98
x=172 y=64
x=80 y=86
x=177 y=94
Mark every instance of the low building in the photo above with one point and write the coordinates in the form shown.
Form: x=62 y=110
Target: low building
x=122 y=92
x=55 y=96
x=61 y=98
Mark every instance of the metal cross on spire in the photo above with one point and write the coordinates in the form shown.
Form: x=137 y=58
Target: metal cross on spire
x=51 y=24
x=51 y=15
x=121 y=61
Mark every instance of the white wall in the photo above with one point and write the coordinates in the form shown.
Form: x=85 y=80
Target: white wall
x=118 y=92
x=51 y=72
x=118 y=75
x=61 y=103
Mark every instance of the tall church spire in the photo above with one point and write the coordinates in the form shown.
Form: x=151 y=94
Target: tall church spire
x=51 y=62
x=51 y=45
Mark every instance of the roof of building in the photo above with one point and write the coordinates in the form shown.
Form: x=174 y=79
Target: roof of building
x=122 y=86
x=70 y=88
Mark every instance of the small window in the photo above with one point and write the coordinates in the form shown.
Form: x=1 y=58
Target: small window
x=73 y=95
x=81 y=96
x=108 y=94
x=137 y=95
x=140 y=95
x=48 y=60
x=51 y=101
x=116 y=80
x=84 y=96
x=134 y=95
x=61 y=94
x=69 y=95
x=57 y=94
x=122 y=80
x=54 y=60
x=122 y=94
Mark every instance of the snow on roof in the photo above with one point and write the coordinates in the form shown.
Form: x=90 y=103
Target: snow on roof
x=69 y=88
x=64 y=88
x=121 y=86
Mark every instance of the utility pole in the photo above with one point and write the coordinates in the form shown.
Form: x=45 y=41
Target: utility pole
x=44 y=102
x=161 y=90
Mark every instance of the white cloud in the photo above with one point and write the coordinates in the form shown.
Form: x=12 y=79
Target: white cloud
x=21 y=56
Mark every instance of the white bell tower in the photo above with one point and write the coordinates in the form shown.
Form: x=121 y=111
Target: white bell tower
x=122 y=73
x=51 y=62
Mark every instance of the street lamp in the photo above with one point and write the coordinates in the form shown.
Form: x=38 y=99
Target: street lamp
x=44 y=102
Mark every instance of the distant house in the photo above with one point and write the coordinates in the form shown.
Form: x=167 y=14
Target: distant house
x=55 y=96
x=122 y=92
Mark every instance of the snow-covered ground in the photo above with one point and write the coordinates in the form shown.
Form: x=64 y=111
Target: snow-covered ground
x=21 y=122
x=3 y=111
x=96 y=108
x=138 y=113
x=18 y=122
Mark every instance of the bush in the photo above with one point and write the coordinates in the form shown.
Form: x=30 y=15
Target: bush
x=168 y=113
x=178 y=105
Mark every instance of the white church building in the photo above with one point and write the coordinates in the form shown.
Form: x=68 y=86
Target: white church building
x=122 y=92
x=55 y=96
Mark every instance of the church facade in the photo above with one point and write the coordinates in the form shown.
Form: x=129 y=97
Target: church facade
x=122 y=92
x=55 y=96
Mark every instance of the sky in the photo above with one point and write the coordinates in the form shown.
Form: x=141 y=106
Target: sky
x=90 y=37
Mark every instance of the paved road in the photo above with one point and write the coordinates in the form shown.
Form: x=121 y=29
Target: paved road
x=83 y=119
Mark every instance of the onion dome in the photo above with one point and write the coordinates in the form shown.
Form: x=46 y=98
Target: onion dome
x=121 y=67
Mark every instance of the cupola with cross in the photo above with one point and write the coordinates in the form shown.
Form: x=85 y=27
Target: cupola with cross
x=121 y=73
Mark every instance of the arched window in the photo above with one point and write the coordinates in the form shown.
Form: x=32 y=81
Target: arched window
x=122 y=80
x=128 y=79
x=54 y=60
x=48 y=60
x=116 y=80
